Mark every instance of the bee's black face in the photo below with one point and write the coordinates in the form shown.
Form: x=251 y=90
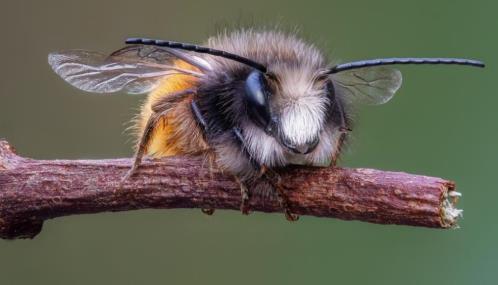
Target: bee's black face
x=258 y=98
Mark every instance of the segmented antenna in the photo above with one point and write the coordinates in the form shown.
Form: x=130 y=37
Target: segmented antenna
x=403 y=60
x=199 y=49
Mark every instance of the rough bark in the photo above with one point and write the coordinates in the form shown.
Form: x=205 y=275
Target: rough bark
x=32 y=191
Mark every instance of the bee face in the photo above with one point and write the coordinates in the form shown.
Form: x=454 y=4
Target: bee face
x=290 y=105
x=302 y=107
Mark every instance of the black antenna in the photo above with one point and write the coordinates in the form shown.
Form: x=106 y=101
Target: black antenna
x=403 y=60
x=199 y=49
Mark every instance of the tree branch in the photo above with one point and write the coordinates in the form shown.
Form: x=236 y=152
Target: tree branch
x=32 y=191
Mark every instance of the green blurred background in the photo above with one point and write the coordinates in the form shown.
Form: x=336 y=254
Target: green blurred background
x=443 y=122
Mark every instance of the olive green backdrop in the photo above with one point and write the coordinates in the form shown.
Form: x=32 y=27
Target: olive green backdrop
x=441 y=123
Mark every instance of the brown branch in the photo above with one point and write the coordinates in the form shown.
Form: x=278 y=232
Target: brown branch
x=32 y=191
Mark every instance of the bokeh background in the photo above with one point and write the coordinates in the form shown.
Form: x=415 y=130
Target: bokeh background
x=443 y=122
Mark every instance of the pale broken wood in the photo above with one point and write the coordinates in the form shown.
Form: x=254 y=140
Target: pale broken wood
x=32 y=191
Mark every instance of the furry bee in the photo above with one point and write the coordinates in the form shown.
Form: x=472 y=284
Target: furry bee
x=252 y=101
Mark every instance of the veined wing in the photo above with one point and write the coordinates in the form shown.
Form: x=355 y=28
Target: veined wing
x=370 y=85
x=134 y=69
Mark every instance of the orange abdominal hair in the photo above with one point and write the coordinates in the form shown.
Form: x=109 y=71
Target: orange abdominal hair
x=174 y=134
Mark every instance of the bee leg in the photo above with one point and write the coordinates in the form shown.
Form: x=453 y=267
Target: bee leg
x=276 y=182
x=244 y=191
x=154 y=119
x=159 y=110
x=244 y=194
x=271 y=176
x=202 y=122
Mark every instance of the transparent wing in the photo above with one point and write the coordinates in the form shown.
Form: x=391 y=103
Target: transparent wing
x=163 y=55
x=369 y=85
x=134 y=69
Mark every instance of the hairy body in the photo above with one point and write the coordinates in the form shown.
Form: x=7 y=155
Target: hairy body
x=177 y=133
x=302 y=103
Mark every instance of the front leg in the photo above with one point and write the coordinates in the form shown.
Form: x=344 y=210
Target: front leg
x=244 y=194
x=263 y=172
x=276 y=182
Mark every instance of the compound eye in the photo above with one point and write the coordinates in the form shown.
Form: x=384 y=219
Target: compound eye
x=257 y=96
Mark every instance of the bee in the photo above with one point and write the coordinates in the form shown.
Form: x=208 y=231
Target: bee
x=251 y=101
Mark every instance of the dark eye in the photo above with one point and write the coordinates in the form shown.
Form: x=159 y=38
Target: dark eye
x=257 y=96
